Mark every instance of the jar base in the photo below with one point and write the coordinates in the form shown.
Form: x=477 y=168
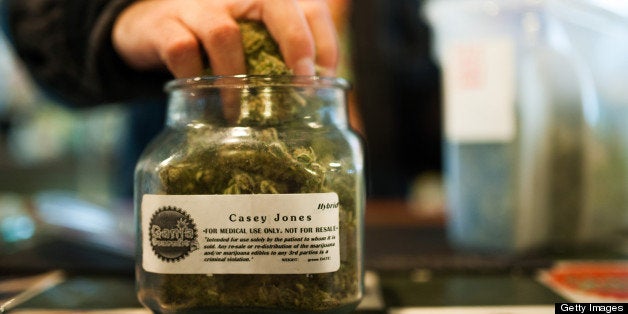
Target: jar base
x=349 y=308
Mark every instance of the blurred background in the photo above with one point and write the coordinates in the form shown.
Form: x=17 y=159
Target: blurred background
x=491 y=127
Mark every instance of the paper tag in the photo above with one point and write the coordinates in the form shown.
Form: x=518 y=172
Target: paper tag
x=479 y=90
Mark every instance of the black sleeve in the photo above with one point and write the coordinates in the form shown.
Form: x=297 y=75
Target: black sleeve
x=66 y=46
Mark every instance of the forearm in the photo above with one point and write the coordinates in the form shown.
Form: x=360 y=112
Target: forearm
x=66 y=46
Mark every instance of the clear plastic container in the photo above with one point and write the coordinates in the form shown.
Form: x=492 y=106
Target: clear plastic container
x=251 y=200
x=503 y=105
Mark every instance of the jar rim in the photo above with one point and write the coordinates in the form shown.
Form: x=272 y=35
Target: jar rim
x=246 y=80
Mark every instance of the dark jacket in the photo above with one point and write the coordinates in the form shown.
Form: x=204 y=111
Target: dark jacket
x=66 y=46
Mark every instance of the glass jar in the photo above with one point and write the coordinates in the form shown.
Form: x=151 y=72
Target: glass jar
x=251 y=199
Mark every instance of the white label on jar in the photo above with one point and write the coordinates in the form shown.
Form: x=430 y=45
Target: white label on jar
x=240 y=234
x=479 y=90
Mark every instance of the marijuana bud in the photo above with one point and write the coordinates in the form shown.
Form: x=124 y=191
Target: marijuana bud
x=261 y=51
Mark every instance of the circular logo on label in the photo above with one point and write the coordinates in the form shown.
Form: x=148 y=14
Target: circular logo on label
x=172 y=234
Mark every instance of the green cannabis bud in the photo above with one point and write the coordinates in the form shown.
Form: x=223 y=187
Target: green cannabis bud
x=277 y=155
x=261 y=52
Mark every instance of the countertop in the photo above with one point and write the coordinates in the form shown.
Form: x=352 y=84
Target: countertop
x=409 y=263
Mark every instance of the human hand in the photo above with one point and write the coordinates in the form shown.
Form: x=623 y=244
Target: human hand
x=152 y=34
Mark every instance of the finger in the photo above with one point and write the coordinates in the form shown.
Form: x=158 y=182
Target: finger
x=131 y=43
x=228 y=59
x=179 y=49
x=325 y=37
x=288 y=26
x=221 y=39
